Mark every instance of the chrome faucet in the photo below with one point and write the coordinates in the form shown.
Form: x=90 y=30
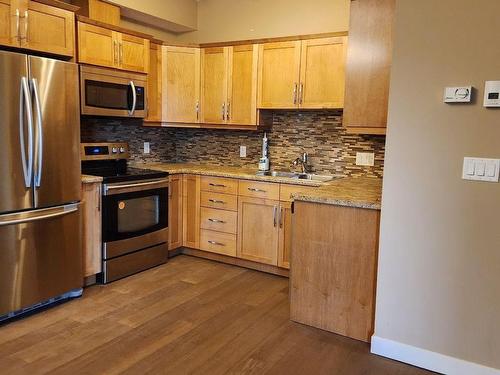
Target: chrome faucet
x=303 y=162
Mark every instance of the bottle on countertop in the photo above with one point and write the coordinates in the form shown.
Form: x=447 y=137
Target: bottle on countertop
x=264 y=160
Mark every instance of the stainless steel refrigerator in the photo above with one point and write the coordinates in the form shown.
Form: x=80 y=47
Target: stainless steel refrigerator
x=40 y=250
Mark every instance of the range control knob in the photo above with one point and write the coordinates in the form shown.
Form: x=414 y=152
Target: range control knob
x=122 y=150
x=114 y=150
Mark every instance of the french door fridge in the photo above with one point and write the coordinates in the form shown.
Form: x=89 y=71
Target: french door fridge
x=40 y=250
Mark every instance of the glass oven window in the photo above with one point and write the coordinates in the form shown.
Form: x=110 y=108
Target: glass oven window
x=137 y=214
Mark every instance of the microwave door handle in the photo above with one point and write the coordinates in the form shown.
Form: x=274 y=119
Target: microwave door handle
x=134 y=98
x=25 y=103
x=39 y=134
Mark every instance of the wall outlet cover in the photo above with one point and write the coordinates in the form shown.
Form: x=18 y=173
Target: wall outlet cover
x=365 y=159
x=243 y=151
x=147 y=149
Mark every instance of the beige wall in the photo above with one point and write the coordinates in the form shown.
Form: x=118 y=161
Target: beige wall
x=224 y=20
x=439 y=266
x=156 y=32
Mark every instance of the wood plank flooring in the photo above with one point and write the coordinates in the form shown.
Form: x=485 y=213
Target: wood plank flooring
x=189 y=316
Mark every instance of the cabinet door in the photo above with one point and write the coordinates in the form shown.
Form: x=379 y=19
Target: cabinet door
x=154 y=84
x=214 y=84
x=258 y=230
x=91 y=209
x=242 y=85
x=279 y=74
x=134 y=53
x=369 y=58
x=322 y=73
x=191 y=211
x=49 y=29
x=175 y=212
x=7 y=36
x=285 y=237
x=181 y=84
x=97 y=46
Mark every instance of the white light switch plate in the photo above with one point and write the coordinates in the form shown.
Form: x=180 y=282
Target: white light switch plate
x=365 y=158
x=243 y=151
x=480 y=169
x=147 y=150
x=462 y=94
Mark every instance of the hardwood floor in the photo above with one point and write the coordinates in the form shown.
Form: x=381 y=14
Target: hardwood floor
x=189 y=316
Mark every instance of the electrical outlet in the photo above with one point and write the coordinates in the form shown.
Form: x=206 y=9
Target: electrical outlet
x=243 y=151
x=365 y=158
x=147 y=149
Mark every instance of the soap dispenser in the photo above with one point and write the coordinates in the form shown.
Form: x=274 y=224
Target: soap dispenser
x=264 y=160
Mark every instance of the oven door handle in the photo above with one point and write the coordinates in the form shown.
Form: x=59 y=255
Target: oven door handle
x=110 y=188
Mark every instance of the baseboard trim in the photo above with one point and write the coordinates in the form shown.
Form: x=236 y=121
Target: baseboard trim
x=426 y=359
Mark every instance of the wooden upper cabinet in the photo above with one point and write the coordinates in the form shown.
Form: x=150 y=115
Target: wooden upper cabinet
x=133 y=53
x=97 y=45
x=104 y=47
x=214 y=62
x=38 y=27
x=258 y=230
x=241 y=105
x=369 y=58
x=153 y=92
x=99 y=10
x=322 y=73
x=279 y=74
x=181 y=84
x=49 y=29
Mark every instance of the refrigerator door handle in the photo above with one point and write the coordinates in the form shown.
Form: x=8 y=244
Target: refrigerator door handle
x=134 y=98
x=35 y=215
x=25 y=105
x=39 y=134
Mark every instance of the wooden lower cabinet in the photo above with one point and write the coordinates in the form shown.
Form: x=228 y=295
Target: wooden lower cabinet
x=218 y=242
x=191 y=211
x=334 y=260
x=91 y=228
x=175 y=198
x=285 y=235
x=258 y=230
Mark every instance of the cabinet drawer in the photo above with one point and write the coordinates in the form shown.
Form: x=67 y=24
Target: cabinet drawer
x=256 y=189
x=287 y=190
x=220 y=201
x=219 y=220
x=216 y=242
x=219 y=185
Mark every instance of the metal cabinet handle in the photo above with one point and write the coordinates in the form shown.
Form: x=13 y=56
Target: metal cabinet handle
x=228 y=106
x=281 y=217
x=25 y=103
x=121 y=53
x=115 y=51
x=39 y=133
x=223 y=111
x=197 y=109
x=26 y=26
x=216 y=185
x=215 y=243
x=216 y=201
x=18 y=21
x=256 y=190
x=275 y=210
x=295 y=93
x=217 y=221
x=301 y=93
x=134 y=98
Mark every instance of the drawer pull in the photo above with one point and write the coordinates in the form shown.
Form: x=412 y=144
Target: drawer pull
x=216 y=243
x=217 y=221
x=216 y=201
x=217 y=185
x=257 y=190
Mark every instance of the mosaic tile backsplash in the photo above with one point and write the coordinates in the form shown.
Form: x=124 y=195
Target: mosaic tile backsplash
x=319 y=133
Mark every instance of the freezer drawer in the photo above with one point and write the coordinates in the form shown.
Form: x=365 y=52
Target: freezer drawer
x=40 y=256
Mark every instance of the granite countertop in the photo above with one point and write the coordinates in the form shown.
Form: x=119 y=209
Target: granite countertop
x=87 y=179
x=360 y=192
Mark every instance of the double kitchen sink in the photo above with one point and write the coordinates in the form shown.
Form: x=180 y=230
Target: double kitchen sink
x=296 y=175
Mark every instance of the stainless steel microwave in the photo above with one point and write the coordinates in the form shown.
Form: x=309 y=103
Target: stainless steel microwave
x=108 y=92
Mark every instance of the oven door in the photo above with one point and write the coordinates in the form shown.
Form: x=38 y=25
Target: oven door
x=134 y=216
x=107 y=92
